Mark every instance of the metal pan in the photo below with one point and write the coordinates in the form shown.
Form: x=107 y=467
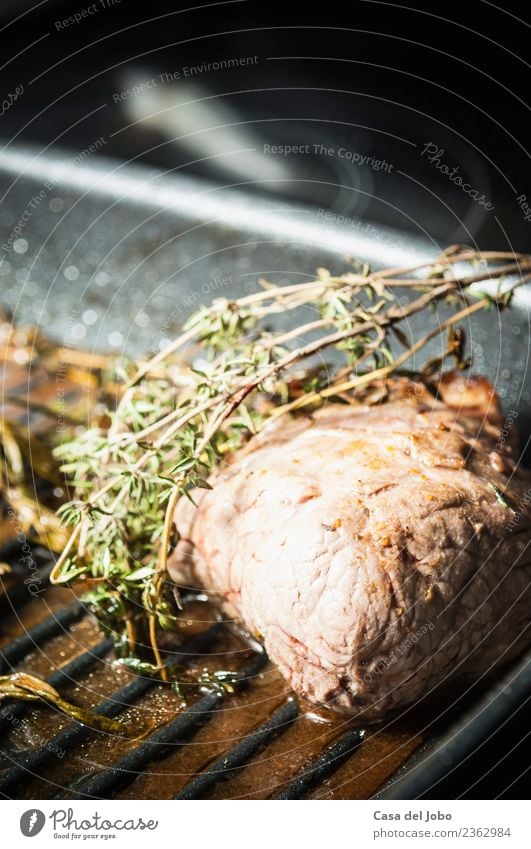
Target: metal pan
x=109 y=256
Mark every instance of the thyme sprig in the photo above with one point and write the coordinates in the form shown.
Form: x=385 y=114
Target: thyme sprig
x=25 y=687
x=174 y=424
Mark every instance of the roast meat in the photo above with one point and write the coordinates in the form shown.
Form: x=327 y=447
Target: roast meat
x=377 y=551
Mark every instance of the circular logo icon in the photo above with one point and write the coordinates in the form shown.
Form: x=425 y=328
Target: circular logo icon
x=32 y=822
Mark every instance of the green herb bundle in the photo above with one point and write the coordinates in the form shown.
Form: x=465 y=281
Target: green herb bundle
x=174 y=423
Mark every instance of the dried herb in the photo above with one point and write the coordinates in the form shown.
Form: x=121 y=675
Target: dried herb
x=26 y=461
x=173 y=424
x=19 y=685
x=22 y=457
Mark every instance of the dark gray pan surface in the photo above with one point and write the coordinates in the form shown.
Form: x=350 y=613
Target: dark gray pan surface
x=108 y=257
x=140 y=250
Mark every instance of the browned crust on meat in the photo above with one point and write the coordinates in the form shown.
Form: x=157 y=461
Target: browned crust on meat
x=377 y=551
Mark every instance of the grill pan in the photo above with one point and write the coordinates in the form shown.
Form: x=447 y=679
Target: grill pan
x=105 y=256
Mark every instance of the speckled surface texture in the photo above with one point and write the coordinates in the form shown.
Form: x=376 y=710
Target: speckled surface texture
x=111 y=257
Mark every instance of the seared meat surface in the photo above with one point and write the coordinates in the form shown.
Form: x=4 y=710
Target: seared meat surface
x=376 y=550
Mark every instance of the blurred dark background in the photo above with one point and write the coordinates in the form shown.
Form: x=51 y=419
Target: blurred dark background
x=374 y=79
x=203 y=90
